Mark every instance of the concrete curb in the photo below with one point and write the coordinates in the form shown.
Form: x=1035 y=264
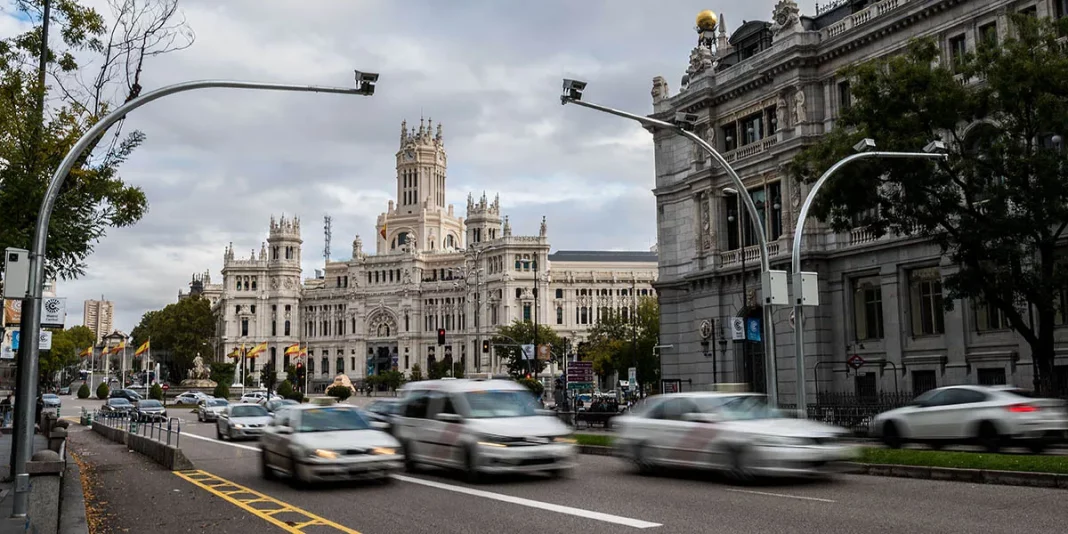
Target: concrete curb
x=72 y=519
x=975 y=476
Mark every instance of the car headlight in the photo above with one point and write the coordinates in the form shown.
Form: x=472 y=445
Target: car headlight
x=564 y=439
x=384 y=451
x=782 y=441
x=238 y=425
x=325 y=454
x=490 y=440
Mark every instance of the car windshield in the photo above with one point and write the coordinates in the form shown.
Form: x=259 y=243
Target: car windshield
x=217 y=402
x=747 y=407
x=332 y=420
x=248 y=411
x=501 y=403
x=118 y=401
x=50 y=396
x=150 y=404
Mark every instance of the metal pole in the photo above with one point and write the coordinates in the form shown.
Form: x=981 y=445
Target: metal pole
x=634 y=334
x=31 y=307
x=795 y=258
x=536 y=363
x=762 y=238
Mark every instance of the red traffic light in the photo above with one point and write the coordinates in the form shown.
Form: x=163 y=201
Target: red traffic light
x=528 y=376
x=441 y=336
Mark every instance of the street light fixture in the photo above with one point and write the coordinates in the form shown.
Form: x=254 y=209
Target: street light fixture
x=773 y=283
x=806 y=285
x=26 y=390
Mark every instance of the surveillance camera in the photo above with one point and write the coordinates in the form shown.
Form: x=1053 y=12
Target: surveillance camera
x=368 y=77
x=935 y=147
x=864 y=145
x=572 y=90
x=685 y=118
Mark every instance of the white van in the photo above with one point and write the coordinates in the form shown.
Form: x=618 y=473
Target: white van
x=481 y=426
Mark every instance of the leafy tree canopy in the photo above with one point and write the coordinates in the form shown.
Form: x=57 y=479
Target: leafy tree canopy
x=66 y=346
x=998 y=207
x=522 y=333
x=184 y=329
x=612 y=342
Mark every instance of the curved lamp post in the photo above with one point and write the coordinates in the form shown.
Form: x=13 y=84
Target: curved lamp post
x=804 y=281
x=31 y=317
x=572 y=94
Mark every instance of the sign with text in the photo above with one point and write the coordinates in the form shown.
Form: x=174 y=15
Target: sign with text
x=12 y=312
x=54 y=312
x=737 y=329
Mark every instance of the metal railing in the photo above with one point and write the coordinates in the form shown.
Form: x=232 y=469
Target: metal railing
x=155 y=429
x=852 y=411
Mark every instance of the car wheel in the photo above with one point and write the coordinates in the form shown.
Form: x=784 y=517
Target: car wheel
x=988 y=437
x=891 y=436
x=565 y=473
x=410 y=465
x=739 y=467
x=471 y=466
x=265 y=468
x=641 y=459
x=218 y=433
x=1036 y=447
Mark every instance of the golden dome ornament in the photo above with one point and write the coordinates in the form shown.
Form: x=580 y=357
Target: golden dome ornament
x=707 y=20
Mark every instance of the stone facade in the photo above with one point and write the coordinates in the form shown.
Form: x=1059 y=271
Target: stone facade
x=773 y=88
x=382 y=311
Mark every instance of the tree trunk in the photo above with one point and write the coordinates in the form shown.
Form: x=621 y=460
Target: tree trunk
x=1043 y=353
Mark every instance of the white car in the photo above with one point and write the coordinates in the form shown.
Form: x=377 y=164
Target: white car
x=191 y=397
x=325 y=443
x=242 y=421
x=733 y=432
x=258 y=397
x=990 y=416
x=480 y=426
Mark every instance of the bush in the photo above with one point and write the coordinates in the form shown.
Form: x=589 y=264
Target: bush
x=155 y=392
x=297 y=396
x=83 y=392
x=221 y=391
x=339 y=392
x=285 y=389
x=535 y=386
x=102 y=391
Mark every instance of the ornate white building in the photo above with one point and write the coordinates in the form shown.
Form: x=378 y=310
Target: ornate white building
x=431 y=269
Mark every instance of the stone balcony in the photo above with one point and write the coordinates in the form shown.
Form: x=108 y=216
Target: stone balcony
x=752 y=254
x=751 y=149
x=863 y=17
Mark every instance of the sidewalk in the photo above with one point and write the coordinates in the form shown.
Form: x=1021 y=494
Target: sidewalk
x=7 y=486
x=126 y=492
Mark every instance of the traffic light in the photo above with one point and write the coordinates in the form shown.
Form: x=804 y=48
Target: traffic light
x=441 y=336
x=485 y=345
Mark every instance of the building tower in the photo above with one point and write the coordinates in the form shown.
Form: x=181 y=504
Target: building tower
x=483 y=219
x=284 y=243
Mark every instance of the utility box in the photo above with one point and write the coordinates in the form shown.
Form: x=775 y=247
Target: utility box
x=806 y=289
x=16 y=273
x=775 y=288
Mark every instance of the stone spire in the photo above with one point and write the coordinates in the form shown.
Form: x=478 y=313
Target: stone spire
x=541 y=233
x=263 y=250
x=439 y=138
x=357 y=247
x=722 y=40
x=404 y=132
x=507 y=227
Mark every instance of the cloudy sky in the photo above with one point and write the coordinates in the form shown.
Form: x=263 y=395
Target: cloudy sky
x=217 y=164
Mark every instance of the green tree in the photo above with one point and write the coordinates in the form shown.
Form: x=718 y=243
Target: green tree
x=616 y=343
x=83 y=391
x=285 y=389
x=535 y=386
x=339 y=392
x=416 y=373
x=222 y=390
x=999 y=206
x=34 y=137
x=183 y=329
x=102 y=391
x=155 y=392
x=522 y=333
x=66 y=346
x=268 y=376
x=223 y=372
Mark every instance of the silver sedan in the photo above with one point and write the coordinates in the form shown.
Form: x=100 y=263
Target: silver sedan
x=242 y=421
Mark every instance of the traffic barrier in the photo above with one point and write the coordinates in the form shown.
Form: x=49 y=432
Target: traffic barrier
x=151 y=439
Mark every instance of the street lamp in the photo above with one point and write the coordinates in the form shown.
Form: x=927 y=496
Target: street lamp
x=31 y=319
x=773 y=284
x=806 y=285
x=466 y=272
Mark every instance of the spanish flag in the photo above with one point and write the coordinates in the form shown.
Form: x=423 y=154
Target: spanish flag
x=255 y=351
x=105 y=351
x=293 y=349
x=383 y=231
x=119 y=347
x=143 y=348
x=236 y=353
x=86 y=352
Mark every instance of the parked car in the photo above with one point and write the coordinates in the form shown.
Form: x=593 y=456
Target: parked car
x=481 y=427
x=128 y=394
x=65 y=390
x=992 y=417
x=325 y=443
x=243 y=420
x=50 y=400
x=274 y=405
x=149 y=410
x=209 y=409
x=191 y=397
x=733 y=432
x=383 y=410
x=117 y=406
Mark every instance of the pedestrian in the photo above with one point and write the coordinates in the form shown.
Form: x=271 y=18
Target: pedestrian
x=5 y=409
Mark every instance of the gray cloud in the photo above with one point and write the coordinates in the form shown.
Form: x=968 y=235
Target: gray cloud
x=217 y=164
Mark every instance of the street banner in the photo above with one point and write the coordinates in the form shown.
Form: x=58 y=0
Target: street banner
x=12 y=312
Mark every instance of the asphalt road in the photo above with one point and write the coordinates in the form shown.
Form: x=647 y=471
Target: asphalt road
x=606 y=496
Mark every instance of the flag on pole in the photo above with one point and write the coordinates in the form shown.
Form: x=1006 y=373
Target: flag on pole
x=255 y=351
x=105 y=351
x=293 y=349
x=85 y=353
x=236 y=353
x=120 y=346
x=142 y=349
x=383 y=232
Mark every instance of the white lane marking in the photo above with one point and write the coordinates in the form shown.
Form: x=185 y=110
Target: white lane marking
x=783 y=495
x=578 y=512
x=238 y=445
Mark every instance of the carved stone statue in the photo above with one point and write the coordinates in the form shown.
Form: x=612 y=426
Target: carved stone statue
x=660 y=89
x=787 y=17
x=800 y=115
x=199 y=375
x=701 y=59
x=780 y=113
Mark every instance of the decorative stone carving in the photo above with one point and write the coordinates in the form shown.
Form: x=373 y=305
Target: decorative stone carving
x=701 y=59
x=780 y=112
x=787 y=17
x=274 y=282
x=382 y=324
x=800 y=114
x=542 y=231
x=407 y=276
x=660 y=89
x=795 y=194
x=357 y=247
x=288 y=283
x=199 y=375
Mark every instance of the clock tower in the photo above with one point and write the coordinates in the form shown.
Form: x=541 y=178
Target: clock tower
x=420 y=218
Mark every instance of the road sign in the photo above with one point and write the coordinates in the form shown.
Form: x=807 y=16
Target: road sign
x=580 y=385
x=632 y=376
x=165 y=387
x=580 y=372
x=855 y=361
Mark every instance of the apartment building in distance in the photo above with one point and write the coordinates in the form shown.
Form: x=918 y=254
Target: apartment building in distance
x=99 y=316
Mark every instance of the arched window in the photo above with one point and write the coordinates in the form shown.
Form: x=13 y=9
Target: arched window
x=559 y=315
x=287 y=327
x=340 y=365
x=273 y=364
x=326 y=365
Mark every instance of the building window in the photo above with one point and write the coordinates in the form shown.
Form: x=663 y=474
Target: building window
x=274 y=328
x=244 y=327
x=559 y=315
x=237 y=285
x=526 y=312
x=1060 y=8
x=340 y=365
x=253 y=285
x=753 y=128
x=286 y=328
x=989 y=318
x=559 y=293
x=273 y=356
x=992 y=377
x=845 y=96
x=326 y=365
x=252 y=308
x=730 y=137
x=867 y=308
x=923 y=381
x=988 y=33
x=925 y=295
x=958 y=50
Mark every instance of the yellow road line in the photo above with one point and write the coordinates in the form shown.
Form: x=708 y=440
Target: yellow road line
x=208 y=482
